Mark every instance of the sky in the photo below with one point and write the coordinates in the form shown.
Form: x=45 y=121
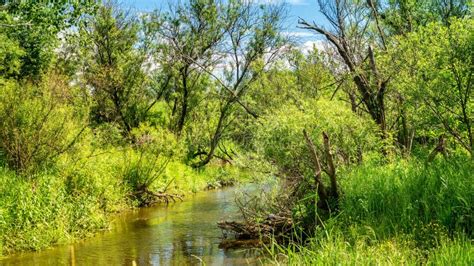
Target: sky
x=306 y=9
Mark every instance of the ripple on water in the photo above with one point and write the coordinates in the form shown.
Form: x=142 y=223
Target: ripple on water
x=179 y=234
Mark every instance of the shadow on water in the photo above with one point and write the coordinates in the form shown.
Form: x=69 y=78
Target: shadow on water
x=183 y=233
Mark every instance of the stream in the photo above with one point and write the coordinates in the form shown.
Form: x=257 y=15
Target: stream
x=182 y=233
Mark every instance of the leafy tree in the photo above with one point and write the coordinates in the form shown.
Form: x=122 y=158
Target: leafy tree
x=187 y=37
x=357 y=46
x=10 y=56
x=294 y=79
x=437 y=64
x=34 y=27
x=252 y=44
x=313 y=78
x=114 y=68
x=404 y=16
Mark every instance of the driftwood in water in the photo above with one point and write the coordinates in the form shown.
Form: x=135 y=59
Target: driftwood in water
x=280 y=226
x=254 y=234
x=147 y=197
x=221 y=184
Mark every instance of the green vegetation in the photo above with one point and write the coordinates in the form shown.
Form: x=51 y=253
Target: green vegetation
x=369 y=135
x=400 y=213
x=76 y=197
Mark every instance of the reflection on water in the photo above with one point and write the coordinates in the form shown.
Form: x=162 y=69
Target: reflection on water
x=181 y=234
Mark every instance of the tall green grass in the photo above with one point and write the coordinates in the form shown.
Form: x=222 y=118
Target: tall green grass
x=406 y=197
x=58 y=205
x=37 y=214
x=404 y=213
x=335 y=250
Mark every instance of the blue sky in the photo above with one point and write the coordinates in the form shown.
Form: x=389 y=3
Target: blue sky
x=307 y=9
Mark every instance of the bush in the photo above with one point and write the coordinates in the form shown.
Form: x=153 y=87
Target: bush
x=37 y=123
x=108 y=135
x=281 y=134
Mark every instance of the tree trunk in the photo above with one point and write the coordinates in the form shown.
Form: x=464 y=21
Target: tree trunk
x=217 y=134
x=183 y=114
x=331 y=167
x=440 y=148
x=118 y=110
x=328 y=200
x=322 y=194
x=184 y=103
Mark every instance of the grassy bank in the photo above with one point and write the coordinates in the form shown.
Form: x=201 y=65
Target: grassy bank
x=335 y=250
x=76 y=199
x=402 y=213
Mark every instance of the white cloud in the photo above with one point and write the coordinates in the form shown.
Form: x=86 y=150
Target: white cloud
x=298 y=2
x=298 y=34
x=291 y=2
x=306 y=47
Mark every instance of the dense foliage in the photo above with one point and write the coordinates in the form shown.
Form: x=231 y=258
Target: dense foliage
x=103 y=109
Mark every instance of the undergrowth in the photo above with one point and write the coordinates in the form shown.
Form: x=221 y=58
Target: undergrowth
x=403 y=213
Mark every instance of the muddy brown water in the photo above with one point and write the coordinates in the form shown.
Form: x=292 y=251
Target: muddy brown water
x=183 y=233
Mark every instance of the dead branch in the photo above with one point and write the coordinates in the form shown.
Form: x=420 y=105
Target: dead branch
x=273 y=226
x=149 y=198
x=331 y=166
x=440 y=148
x=317 y=167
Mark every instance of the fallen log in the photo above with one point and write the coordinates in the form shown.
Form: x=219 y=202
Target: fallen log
x=272 y=227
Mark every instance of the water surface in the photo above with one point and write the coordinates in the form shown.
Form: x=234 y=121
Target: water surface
x=183 y=233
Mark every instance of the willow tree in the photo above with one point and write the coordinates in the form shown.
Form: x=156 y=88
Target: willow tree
x=114 y=68
x=33 y=27
x=404 y=16
x=186 y=39
x=252 y=42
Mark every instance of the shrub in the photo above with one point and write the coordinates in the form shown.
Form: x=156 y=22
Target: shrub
x=281 y=134
x=146 y=161
x=108 y=135
x=37 y=123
